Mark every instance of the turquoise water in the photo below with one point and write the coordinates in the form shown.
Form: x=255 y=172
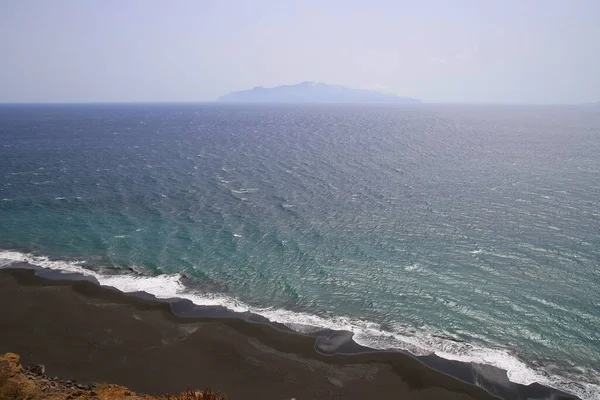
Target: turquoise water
x=468 y=231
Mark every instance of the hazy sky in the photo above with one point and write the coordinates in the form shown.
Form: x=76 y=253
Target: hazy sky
x=521 y=51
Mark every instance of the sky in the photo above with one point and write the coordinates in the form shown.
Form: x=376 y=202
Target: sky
x=478 y=51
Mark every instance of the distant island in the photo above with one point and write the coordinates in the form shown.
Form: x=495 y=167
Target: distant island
x=313 y=92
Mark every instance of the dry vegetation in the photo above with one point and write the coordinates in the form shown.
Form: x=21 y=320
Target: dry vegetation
x=196 y=395
x=19 y=383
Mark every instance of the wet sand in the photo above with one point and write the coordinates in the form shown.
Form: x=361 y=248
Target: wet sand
x=82 y=331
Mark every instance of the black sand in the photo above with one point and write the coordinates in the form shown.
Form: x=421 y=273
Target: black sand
x=82 y=331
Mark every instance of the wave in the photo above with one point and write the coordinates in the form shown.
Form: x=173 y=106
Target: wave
x=366 y=333
x=244 y=190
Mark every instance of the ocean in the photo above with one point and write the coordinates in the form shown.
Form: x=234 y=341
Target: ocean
x=471 y=232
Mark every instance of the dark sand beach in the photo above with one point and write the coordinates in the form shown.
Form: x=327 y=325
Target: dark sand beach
x=80 y=330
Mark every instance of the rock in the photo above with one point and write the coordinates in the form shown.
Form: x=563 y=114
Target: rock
x=38 y=369
x=84 y=386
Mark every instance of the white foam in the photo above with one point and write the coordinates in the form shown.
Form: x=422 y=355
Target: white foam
x=366 y=333
x=412 y=267
x=244 y=190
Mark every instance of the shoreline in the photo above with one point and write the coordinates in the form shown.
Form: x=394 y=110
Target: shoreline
x=327 y=363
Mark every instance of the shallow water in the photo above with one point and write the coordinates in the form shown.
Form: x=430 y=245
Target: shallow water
x=468 y=231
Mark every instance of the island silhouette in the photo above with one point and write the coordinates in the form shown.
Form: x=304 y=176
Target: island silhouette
x=313 y=92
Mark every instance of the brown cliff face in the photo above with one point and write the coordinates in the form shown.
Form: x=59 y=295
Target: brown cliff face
x=18 y=382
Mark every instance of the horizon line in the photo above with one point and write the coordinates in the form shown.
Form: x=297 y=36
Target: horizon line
x=149 y=102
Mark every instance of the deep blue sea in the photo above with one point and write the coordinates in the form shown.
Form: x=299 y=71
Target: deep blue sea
x=472 y=232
